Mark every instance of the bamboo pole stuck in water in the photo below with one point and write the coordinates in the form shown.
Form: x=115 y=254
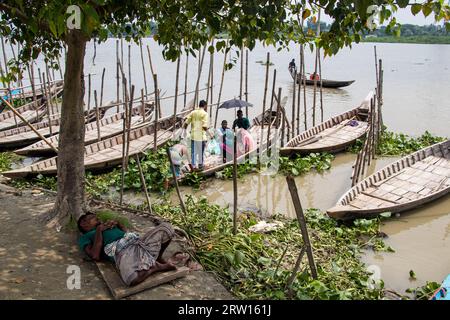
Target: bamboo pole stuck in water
x=144 y=184
x=102 y=85
x=293 y=105
x=174 y=175
x=186 y=80
x=305 y=111
x=320 y=87
x=117 y=76
x=49 y=85
x=200 y=67
x=33 y=89
x=266 y=83
x=155 y=81
x=175 y=102
x=143 y=67
x=221 y=84
x=49 y=116
x=208 y=91
x=235 y=185
x=28 y=124
x=97 y=116
x=271 y=110
x=212 y=81
x=129 y=66
x=89 y=92
x=124 y=138
x=130 y=109
x=246 y=82
x=142 y=105
x=302 y=223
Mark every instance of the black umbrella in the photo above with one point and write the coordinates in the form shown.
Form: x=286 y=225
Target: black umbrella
x=235 y=103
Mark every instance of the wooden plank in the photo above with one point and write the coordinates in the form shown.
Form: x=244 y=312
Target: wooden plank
x=120 y=290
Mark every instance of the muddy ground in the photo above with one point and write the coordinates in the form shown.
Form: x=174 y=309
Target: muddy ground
x=34 y=258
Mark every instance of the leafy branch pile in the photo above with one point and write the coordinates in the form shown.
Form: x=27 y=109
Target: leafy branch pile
x=7 y=159
x=399 y=144
x=249 y=265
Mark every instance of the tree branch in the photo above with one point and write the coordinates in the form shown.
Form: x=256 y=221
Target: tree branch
x=15 y=12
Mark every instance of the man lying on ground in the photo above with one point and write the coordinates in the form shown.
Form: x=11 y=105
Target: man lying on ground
x=136 y=257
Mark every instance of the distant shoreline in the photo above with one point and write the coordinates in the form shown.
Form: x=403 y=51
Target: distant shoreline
x=411 y=39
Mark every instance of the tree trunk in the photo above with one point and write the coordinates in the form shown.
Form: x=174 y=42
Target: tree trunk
x=70 y=200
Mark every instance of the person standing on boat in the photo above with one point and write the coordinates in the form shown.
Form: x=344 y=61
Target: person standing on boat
x=292 y=66
x=226 y=139
x=241 y=121
x=314 y=76
x=199 y=120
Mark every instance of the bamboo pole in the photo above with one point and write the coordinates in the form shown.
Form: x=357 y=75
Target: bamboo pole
x=293 y=104
x=209 y=80
x=117 y=75
x=153 y=75
x=221 y=85
x=28 y=124
x=305 y=111
x=155 y=81
x=241 y=79
x=271 y=109
x=321 y=86
x=246 y=82
x=124 y=138
x=89 y=92
x=144 y=184
x=175 y=102
x=143 y=66
x=49 y=89
x=200 y=67
x=129 y=122
x=302 y=223
x=97 y=116
x=102 y=85
x=142 y=105
x=377 y=78
x=186 y=80
x=266 y=82
x=49 y=116
x=235 y=185
x=33 y=89
x=174 y=175
x=212 y=81
x=129 y=66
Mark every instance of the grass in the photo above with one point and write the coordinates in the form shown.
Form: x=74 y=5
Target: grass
x=250 y=265
x=7 y=159
x=399 y=144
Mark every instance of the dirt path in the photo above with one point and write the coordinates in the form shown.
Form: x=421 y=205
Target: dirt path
x=34 y=259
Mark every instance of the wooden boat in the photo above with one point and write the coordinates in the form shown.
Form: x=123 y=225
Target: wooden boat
x=443 y=293
x=20 y=93
x=29 y=111
x=403 y=185
x=325 y=82
x=333 y=135
x=108 y=153
x=109 y=126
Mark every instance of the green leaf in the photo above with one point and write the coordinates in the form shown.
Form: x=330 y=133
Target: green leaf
x=416 y=8
x=426 y=9
x=402 y=3
x=412 y=275
x=306 y=14
x=52 y=27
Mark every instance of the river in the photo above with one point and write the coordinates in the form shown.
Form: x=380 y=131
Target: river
x=416 y=98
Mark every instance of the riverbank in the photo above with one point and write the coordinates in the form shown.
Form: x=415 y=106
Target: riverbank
x=410 y=39
x=34 y=258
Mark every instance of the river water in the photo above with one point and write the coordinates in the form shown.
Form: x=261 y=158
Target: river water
x=416 y=98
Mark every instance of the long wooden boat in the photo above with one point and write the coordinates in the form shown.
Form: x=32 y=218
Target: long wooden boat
x=333 y=135
x=403 y=185
x=326 y=83
x=29 y=111
x=108 y=153
x=20 y=93
x=109 y=127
